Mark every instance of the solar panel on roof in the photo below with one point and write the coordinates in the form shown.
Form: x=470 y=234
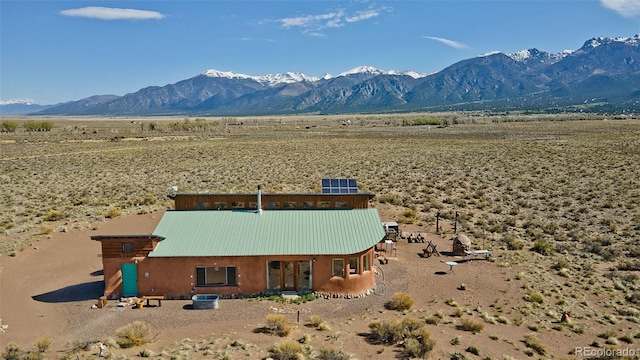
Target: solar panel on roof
x=339 y=186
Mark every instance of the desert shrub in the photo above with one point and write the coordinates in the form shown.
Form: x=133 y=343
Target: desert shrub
x=278 y=324
x=533 y=343
x=134 y=334
x=12 y=352
x=304 y=298
x=420 y=343
x=515 y=244
x=287 y=350
x=315 y=320
x=534 y=297
x=473 y=350
x=83 y=345
x=387 y=331
x=393 y=199
x=455 y=341
x=332 y=354
x=401 y=302
x=46 y=229
x=38 y=125
x=459 y=312
x=433 y=320
x=423 y=120
x=145 y=353
x=410 y=325
x=53 y=215
x=42 y=344
x=560 y=264
x=626 y=338
x=9 y=126
x=112 y=212
x=542 y=247
x=629 y=265
x=607 y=334
x=468 y=324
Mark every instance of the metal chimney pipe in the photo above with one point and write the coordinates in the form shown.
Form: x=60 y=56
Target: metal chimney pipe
x=259 y=209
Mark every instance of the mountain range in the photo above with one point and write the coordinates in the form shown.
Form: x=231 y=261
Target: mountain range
x=602 y=75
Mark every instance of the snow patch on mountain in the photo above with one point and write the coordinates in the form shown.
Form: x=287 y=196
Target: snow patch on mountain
x=413 y=74
x=269 y=79
x=601 y=40
x=18 y=102
x=294 y=77
x=489 y=53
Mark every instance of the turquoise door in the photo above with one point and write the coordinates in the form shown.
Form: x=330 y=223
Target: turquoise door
x=129 y=279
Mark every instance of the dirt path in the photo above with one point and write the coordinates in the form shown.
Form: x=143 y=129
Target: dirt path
x=38 y=285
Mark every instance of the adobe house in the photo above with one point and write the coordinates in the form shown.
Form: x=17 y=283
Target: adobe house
x=245 y=244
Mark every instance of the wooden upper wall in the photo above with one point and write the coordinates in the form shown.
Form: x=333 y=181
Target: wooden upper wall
x=271 y=201
x=127 y=246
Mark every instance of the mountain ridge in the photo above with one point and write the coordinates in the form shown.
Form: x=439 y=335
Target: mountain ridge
x=603 y=71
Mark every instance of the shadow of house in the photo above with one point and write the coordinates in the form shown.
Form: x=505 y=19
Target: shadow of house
x=80 y=292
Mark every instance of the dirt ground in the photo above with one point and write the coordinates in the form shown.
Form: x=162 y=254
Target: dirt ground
x=49 y=289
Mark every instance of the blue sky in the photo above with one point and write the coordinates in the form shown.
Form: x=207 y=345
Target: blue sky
x=55 y=51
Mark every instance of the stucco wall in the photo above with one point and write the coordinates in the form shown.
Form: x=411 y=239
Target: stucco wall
x=175 y=277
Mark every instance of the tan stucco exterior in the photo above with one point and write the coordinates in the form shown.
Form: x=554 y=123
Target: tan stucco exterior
x=174 y=277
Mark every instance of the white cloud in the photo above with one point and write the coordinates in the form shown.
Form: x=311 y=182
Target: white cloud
x=104 y=13
x=312 y=25
x=363 y=15
x=452 y=43
x=626 y=8
x=312 y=21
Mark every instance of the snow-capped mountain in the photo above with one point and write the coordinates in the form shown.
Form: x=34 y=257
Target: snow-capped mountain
x=271 y=80
x=604 y=71
x=21 y=106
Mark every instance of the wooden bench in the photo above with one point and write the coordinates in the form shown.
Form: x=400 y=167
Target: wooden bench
x=486 y=253
x=157 y=298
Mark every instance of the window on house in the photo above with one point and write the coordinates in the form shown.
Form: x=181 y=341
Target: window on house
x=338 y=267
x=200 y=205
x=215 y=275
x=354 y=267
x=273 y=205
x=324 y=204
x=127 y=247
x=366 y=262
x=237 y=205
x=219 y=205
x=307 y=204
x=289 y=205
x=341 y=205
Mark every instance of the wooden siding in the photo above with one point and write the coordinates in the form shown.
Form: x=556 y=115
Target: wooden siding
x=271 y=201
x=112 y=247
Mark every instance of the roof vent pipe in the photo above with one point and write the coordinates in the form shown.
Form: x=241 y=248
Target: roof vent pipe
x=259 y=207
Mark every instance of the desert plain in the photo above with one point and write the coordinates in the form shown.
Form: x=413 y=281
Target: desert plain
x=555 y=197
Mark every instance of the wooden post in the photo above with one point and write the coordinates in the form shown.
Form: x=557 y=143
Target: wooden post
x=437 y=222
x=455 y=224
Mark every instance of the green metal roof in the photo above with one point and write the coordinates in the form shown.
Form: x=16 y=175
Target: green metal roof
x=276 y=232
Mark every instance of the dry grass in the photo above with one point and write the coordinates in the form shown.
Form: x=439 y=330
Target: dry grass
x=533 y=184
x=559 y=198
